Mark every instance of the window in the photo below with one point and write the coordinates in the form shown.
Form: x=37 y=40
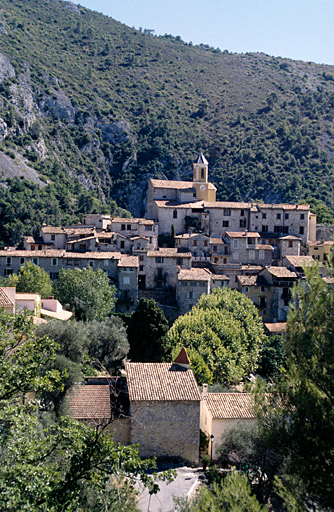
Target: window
x=261 y=254
x=53 y=237
x=278 y=216
x=285 y=229
x=277 y=229
x=35 y=261
x=286 y=216
x=76 y=263
x=264 y=215
x=227 y=212
x=91 y=263
x=179 y=261
x=225 y=223
x=32 y=247
x=21 y=261
x=242 y=213
x=126 y=280
x=39 y=247
x=82 y=247
x=106 y=263
x=263 y=289
x=242 y=223
x=194 y=243
x=290 y=243
x=264 y=229
x=54 y=276
x=302 y=216
x=159 y=259
x=128 y=227
x=205 y=243
x=123 y=227
x=7 y=272
x=8 y=261
x=236 y=256
x=148 y=228
x=202 y=174
x=54 y=262
x=252 y=255
x=122 y=244
x=141 y=258
x=174 y=214
x=183 y=283
x=235 y=244
x=214 y=248
x=141 y=268
x=301 y=230
x=224 y=261
x=250 y=241
x=190 y=295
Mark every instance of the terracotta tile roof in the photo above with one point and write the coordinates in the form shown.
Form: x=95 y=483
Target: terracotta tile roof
x=191 y=235
x=58 y=315
x=26 y=296
x=299 y=261
x=253 y=268
x=263 y=247
x=160 y=382
x=47 y=253
x=289 y=237
x=226 y=204
x=29 y=239
x=90 y=402
x=102 y=255
x=77 y=240
x=273 y=206
x=194 y=274
x=122 y=220
x=52 y=230
x=328 y=280
x=229 y=405
x=242 y=234
x=219 y=277
x=4 y=299
x=167 y=252
x=128 y=261
x=173 y=204
x=139 y=238
x=216 y=241
x=79 y=231
x=172 y=184
x=275 y=326
x=247 y=280
x=281 y=272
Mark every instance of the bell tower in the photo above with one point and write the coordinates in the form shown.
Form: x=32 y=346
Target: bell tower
x=201 y=170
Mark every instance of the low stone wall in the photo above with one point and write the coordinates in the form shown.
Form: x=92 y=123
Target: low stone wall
x=121 y=430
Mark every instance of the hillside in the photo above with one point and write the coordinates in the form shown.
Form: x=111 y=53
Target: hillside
x=96 y=108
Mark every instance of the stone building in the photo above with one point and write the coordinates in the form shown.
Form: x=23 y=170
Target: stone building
x=196 y=243
x=162 y=267
x=256 y=288
x=288 y=245
x=320 y=250
x=280 y=281
x=222 y=411
x=244 y=247
x=127 y=286
x=164 y=408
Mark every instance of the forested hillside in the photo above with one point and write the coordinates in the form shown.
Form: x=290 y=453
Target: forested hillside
x=96 y=108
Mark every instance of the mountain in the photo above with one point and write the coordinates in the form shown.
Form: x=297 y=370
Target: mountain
x=91 y=108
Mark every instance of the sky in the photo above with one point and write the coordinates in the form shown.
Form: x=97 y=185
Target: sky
x=297 y=29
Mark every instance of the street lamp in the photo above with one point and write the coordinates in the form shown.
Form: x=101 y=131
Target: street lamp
x=211 y=439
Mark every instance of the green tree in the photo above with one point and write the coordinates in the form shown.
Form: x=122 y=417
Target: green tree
x=301 y=429
x=146 y=332
x=272 y=356
x=225 y=330
x=32 y=279
x=233 y=494
x=86 y=292
x=48 y=464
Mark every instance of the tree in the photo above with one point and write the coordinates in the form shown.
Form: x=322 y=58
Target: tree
x=32 y=279
x=301 y=429
x=226 y=331
x=86 y=292
x=272 y=356
x=48 y=464
x=108 y=342
x=146 y=331
x=233 y=494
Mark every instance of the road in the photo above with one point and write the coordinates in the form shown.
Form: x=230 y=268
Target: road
x=183 y=485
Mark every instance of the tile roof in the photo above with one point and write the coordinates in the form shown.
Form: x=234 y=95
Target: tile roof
x=264 y=247
x=229 y=405
x=58 y=315
x=328 y=280
x=90 y=402
x=191 y=235
x=77 y=240
x=168 y=252
x=128 y=261
x=4 y=299
x=299 y=261
x=202 y=160
x=275 y=326
x=273 y=206
x=124 y=220
x=47 y=253
x=26 y=296
x=226 y=204
x=216 y=241
x=289 y=237
x=102 y=255
x=172 y=184
x=173 y=204
x=247 y=280
x=253 y=268
x=242 y=234
x=281 y=272
x=194 y=274
x=219 y=277
x=160 y=382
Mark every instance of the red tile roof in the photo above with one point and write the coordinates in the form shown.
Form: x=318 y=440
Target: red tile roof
x=229 y=405
x=4 y=299
x=160 y=382
x=90 y=402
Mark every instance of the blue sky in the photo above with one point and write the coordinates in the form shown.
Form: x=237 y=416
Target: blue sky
x=298 y=29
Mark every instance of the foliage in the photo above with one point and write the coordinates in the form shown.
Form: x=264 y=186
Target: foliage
x=267 y=130
x=301 y=429
x=146 y=331
x=272 y=356
x=224 y=329
x=232 y=495
x=108 y=342
x=86 y=292
x=32 y=279
x=55 y=465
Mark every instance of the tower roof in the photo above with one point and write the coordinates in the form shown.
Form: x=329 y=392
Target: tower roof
x=202 y=160
x=182 y=358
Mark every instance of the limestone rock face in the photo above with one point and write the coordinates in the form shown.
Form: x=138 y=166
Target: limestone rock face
x=115 y=132
x=59 y=106
x=6 y=69
x=3 y=129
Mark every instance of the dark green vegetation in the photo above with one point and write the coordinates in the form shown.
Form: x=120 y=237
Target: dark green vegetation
x=54 y=464
x=97 y=107
x=223 y=335
x=31 y=279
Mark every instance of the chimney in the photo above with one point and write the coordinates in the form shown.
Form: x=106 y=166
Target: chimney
x=182 y=359
x=205 y=390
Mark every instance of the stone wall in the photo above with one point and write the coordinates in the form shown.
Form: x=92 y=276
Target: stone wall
x=166 y=429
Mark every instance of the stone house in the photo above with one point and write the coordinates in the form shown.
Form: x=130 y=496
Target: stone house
x=192 y=283
x=222 y=411
x=97 y=220
x=7 y=299
x=127 y=286
x=244 y=248
x=164 y=408
x=275 y=328
x=297 y=263
x=288 y=245
x=280 y=280
x=196 y=243
x=256 y=288
x=162 y=267
x=133 y=227
x=320 y=250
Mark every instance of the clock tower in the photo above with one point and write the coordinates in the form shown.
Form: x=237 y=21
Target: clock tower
x=204 y=190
